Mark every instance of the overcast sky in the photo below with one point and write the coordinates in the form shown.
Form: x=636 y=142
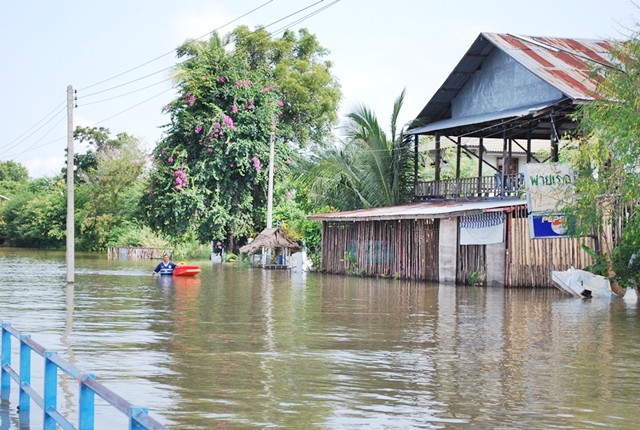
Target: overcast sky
x=377 y=47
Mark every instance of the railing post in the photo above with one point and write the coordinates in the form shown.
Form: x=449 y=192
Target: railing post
x=50 y=391
x=87 y=404
x=6 y=360
x=25 y=374
x=134 y=412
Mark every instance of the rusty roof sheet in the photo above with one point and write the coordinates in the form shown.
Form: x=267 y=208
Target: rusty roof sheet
x=563 y=63
x=423 y=210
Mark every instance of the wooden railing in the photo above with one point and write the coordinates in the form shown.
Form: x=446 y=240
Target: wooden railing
x=478 y=187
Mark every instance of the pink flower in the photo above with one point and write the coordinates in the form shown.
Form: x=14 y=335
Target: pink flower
x=222 y=79
x=209 y=149
x=280 y=103
x=265 y=89
x=170 y=159
x=192 y=100
x=239 y=84
x=178 y=181
x=234 y=108
x=250 y=105
x=256 y=164
x=198 y=129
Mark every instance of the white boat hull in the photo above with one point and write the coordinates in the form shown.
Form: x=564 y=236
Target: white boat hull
x=580 y=283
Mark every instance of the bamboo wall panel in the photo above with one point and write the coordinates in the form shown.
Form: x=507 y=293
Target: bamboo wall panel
x=471 y=258
x=531 y=261
x=404 y=249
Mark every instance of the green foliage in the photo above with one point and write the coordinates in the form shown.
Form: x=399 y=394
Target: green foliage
x=302 y=78
x=477 y=279
x=131 y=234
x=36 y=216
x=11 y=171
x=210 y=173
x=369 y=170
x=626 y=256
x=108 y=195
x=607 y=158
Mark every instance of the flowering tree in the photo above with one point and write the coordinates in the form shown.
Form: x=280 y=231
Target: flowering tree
x=209 y=173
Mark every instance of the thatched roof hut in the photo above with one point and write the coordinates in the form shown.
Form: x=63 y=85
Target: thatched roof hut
x=270 y=238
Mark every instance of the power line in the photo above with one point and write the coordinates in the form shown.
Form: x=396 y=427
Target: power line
x=15 y=143
x=125 y=94
x=134 y=106
x=38 y=122
x=173 y=50
x=211 y=32
x=32 y=146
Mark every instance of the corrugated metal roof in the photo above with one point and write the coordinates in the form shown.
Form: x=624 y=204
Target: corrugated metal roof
x=563 y=63
x=450 y=123
x=423 y=210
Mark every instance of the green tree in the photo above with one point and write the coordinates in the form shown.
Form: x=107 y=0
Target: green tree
x=302 y=77
x=608 y=183
x=110 y=188
x=369 y=170
x=36 y=216
x=12 y=171
x=209 y=174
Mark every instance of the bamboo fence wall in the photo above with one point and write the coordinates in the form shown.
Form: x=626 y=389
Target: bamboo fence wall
x=406 y=249
x=530 y=261
x=471 y=258
x=136 y=253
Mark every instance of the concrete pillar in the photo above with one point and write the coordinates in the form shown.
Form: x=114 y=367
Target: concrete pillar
x=448 y=249
x=496 y=259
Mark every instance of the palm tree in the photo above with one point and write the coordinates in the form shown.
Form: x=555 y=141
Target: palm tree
x=369 y=169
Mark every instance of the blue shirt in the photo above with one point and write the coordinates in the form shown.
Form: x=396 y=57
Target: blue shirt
x=165 y=269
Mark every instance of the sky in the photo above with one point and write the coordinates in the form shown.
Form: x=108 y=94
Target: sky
x=117 y=55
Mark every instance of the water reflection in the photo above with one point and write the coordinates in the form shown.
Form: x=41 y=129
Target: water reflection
x=247 y=348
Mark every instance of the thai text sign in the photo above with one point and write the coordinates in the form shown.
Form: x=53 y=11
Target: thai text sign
x=549 y=186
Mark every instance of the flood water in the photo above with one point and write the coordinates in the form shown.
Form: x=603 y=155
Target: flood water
x=239 y=348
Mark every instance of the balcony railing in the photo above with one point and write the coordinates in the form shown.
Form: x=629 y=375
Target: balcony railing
x=464 y=188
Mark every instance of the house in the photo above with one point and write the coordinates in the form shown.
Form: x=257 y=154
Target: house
x=507 y=98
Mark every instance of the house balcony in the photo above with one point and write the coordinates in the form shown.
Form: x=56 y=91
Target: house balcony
x=497 y=185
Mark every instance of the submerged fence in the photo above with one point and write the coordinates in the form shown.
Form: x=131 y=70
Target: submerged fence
x=47 y=401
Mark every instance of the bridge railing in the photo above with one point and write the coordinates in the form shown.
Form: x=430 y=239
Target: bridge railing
x=138 y=417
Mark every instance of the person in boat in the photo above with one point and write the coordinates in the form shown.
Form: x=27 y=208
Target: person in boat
x=165 y=267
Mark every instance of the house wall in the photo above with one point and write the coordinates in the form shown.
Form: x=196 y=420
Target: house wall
x=428 y=250
x=406 y=249
x=502 y=83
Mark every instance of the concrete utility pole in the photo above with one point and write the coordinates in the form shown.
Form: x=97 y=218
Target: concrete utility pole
x=271 y=168
x=70 y=191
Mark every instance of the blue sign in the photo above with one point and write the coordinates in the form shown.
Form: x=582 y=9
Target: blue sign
x=547 y=226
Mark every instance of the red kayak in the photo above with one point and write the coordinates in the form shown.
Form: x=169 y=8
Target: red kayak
x=186 y=270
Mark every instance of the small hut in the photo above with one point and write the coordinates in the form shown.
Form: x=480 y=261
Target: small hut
x=271 y=239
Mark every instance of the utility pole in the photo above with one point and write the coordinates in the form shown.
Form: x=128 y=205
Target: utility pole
x=271 y=168
x=70 y=191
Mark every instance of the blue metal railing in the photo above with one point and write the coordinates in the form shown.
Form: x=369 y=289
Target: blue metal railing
x=138 y=417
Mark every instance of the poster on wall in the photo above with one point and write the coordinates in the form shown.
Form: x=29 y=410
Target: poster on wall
x=549 y=186
x=544 y=226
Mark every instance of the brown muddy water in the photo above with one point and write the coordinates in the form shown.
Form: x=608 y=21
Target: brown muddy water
x=239 y=348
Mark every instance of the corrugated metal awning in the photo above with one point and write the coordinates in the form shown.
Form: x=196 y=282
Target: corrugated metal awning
x=424 y=210
x=490 y=117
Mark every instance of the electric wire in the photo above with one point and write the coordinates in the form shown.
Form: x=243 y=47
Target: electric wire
x=173 y=50
x=125 y=94
x=211 y=32
x=33 y=145
x=15 y=143
x=38 y=122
